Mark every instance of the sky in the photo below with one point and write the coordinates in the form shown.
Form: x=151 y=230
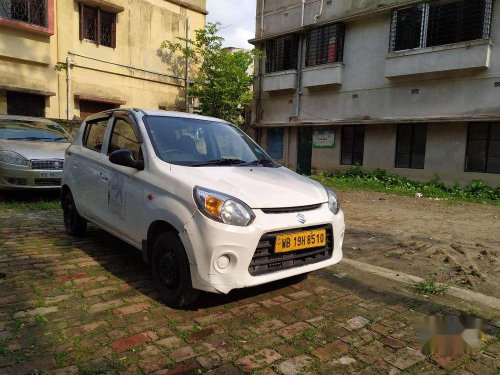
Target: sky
x=237 y=18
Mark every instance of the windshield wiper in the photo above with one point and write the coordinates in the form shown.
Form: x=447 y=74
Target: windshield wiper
x=36 y=139
x=220 y=162
x=264 y=162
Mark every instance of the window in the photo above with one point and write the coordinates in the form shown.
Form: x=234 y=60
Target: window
x=440 y=22
x=124 y=138
x=282 y=53
x=97 y=26
x=23 y=104
x=410 y=146
x=353 y=145
x=325 y=45
x=94 y=135
x=483 y=148
x=30 y=11
x=275 y=143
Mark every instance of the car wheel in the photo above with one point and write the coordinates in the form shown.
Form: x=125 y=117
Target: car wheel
x=74 y=224
x=171 y=271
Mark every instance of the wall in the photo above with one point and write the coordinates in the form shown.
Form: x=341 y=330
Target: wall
x=28 y=58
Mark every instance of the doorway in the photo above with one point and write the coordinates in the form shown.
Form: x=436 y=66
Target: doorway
x=24 y=104
x=304 y=150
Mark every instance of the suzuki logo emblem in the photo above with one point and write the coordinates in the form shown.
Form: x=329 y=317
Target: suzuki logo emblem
x=301 y=218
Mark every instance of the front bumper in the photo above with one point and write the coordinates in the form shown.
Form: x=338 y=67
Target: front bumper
x=206 y=241
x=23 y=178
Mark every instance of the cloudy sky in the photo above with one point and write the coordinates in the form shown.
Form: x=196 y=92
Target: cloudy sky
x=237 y=18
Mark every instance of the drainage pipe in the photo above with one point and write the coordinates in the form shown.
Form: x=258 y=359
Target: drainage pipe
x=316 y=17
x=69 y=65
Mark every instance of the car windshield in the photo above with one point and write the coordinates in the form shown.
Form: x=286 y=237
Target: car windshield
x=33 y=131
x=198 y=143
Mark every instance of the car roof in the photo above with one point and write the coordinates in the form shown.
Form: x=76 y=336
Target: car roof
x=25 y=118
x=161 y=113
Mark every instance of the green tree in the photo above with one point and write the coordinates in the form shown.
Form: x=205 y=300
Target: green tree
x=221 y=82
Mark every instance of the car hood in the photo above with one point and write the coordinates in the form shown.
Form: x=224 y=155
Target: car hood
x=259 y=187
x=35 y=150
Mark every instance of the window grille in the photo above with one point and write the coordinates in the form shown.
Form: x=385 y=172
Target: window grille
x=483 y=148
x=33 y=12
x=97 y=26
x=440 y=22
x=411 y=145
x=353 y=145
x=275 y=142
x=325 y=45
x=282 y=53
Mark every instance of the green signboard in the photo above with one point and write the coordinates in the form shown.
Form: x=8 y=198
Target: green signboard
x=324 y=138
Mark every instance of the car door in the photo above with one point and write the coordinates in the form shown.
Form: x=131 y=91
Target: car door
x=87 y=165
x=124 y=190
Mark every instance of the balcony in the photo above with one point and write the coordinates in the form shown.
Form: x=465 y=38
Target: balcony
x=323 y=75
x=464 y=56
x=280 y=81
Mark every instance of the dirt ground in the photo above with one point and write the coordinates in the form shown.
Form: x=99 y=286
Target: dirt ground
x=459 y=243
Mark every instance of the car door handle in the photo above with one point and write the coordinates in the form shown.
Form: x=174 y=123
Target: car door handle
x=104 y=176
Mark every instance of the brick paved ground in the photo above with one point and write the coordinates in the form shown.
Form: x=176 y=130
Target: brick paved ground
x=88 y=306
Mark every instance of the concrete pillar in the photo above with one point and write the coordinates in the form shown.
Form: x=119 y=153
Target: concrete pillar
x=3 y=102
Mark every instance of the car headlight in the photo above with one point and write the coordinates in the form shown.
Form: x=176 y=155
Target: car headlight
x=333 y=201
x=222 y=208
x=11 y=157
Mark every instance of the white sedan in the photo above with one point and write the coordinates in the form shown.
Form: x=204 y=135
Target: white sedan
x=208 y=208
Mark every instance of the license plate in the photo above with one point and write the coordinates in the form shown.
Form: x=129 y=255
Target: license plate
x=50 y=175
x=299 y=241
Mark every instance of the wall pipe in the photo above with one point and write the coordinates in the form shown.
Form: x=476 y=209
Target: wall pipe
x=188 y=26
x=69 y=65
x=316 y=17
x=262 y=18
x=299 y=63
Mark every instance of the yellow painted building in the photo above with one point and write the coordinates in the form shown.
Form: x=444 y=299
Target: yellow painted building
x=113 y=50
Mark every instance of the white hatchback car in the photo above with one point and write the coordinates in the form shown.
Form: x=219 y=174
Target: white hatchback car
x=208 y=208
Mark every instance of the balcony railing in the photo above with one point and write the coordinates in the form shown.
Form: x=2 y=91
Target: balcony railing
x=33 y=12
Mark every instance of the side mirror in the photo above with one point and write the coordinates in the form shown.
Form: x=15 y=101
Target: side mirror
x=126 y=159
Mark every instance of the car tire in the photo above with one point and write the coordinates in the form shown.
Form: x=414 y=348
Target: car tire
x=74 y=224
x=171 y=272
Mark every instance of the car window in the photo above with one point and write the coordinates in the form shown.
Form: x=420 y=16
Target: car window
x=124 y=137
x=33 y=131
x=94 y=134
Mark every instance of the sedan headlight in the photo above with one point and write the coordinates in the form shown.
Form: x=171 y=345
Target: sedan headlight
x=333 y=201
x=222 y=208
x=11 y=157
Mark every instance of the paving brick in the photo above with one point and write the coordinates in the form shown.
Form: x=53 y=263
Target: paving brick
x=262 y=358
x=209 y=361
x=37 y=311
x=248 y=309
x=170 y=342
x=98 y=292
x=184 y=353
x=293 y=330
x=197 y=336
x=98 y=307
x=132 y=309
x=213 y=318
x=71 y=370
x=184 y=369
x=355 y=323
x=267 y=326
x=57 y=299
x=330 y=350
x=405 y=358
x=297 y=365
x=393 y=343
x=300 y=295
x=129 y=342
x=75 y=331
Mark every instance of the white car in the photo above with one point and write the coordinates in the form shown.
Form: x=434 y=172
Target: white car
x=208 y=208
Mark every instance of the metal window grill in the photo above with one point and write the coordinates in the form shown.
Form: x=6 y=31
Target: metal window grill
x=439 y=23
x=89 y=23
x=30 y=11
x=107 y=22
x=282 y=53
x=325 y=45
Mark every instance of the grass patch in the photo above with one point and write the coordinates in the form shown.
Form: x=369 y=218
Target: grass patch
x=61 y=358
x=429 y=286
x=30 y=201
x=381 y=181
x=3 y=348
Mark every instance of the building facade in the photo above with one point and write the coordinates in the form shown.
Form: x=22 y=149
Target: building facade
x=66 y=59
x=412 y=87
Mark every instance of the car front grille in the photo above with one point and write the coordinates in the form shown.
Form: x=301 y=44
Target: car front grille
x=48 y=165
x=16 y=181
x=48 y=182
x=266 y=261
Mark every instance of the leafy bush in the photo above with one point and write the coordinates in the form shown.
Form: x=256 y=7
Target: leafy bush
x=381 y=180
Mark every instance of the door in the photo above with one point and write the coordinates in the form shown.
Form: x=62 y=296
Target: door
x=88 y=107
x=124 y=213
x=304 y=150
x=23 y=104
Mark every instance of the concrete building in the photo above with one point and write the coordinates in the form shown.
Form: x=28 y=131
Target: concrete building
x=113 y=50
x=409 y=86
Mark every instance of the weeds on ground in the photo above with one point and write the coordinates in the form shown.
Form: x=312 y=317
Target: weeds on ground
x=429 y=286
x=380 y=180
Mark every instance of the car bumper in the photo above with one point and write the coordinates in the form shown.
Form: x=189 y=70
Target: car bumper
x=18 y=178
x=206 y=241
